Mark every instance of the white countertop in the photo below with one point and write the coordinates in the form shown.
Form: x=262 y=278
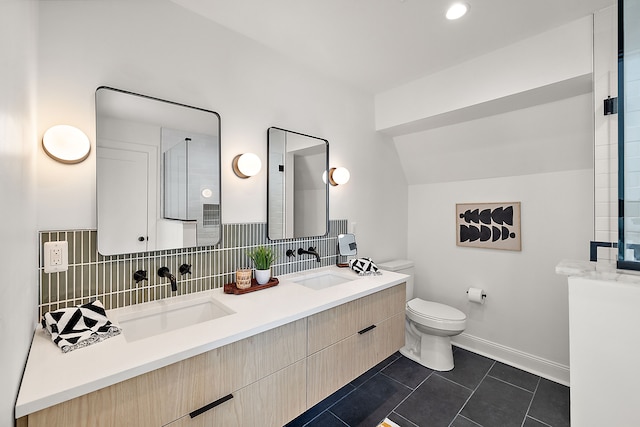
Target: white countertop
x=597 y=271
x=52 y=377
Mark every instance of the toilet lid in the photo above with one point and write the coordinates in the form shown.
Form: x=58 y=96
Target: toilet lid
x=435 y=310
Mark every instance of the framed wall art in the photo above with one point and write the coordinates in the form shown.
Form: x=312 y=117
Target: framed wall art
x=489 y=225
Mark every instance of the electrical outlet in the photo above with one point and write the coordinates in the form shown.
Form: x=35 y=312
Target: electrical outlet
x=56 y=256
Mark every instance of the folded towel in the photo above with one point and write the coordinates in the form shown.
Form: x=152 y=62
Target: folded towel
x=75 y=327
x=364 y=266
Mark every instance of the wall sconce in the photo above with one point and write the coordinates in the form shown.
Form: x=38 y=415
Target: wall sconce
x=246 y=165
x=339 y=176
x=66 y=144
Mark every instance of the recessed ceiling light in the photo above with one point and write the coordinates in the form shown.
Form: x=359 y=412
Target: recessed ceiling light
x=457 y=10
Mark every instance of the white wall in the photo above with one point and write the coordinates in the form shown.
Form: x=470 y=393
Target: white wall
x=537 y=150
x=18 y=252
x=159 y=49
x=537 y=62
x=544 y=138
x=525 y=318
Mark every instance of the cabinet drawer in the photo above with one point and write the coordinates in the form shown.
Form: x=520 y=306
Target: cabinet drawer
x=333 y=325
x=164 y=395
x=270 y=402
x=335 y=366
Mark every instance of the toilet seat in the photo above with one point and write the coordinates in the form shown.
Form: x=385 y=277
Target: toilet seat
x=435 y=315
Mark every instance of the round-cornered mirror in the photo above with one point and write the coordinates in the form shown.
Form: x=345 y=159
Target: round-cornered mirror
x=297 y=188
x=157 y=174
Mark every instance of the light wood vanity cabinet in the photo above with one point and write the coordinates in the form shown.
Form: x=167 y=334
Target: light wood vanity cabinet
x=346 y=341
x=167 y=394
x=273 y=376
x=272 y=401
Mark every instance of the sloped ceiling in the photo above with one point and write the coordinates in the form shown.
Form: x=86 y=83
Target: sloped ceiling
x=377 y=45
x=540 y=139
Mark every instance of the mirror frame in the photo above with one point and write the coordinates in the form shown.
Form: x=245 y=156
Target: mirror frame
x=326 y=197
x=628 y=41
x=218 y=173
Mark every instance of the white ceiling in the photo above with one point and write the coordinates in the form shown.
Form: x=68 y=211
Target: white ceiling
x=377 y=45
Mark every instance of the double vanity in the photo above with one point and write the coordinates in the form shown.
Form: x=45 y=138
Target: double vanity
x=211 y=358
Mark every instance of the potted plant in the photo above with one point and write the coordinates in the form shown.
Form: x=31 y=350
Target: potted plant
x=262 y=257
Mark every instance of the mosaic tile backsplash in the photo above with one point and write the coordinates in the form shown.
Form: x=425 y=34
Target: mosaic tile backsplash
x=110 y=278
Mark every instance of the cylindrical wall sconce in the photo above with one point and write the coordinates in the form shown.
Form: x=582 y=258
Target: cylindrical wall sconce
x=339 y=176
x=246 y=165
x=66 y=144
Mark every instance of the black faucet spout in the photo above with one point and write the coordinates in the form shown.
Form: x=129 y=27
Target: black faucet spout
x=310 y=251
x=166 y=273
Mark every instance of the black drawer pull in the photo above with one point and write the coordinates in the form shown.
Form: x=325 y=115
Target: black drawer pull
x=211 y=405
x=367 y=329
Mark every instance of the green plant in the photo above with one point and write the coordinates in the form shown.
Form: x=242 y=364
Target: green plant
x=262 y=257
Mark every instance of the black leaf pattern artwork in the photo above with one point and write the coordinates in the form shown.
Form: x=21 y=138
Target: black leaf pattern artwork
x=489 y=225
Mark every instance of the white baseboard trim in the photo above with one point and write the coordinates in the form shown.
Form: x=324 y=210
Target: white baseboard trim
x=527 y=362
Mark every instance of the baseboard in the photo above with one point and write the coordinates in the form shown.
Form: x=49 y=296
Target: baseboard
x=527 y=362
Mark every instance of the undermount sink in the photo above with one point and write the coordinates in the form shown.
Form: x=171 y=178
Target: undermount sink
x=166 y=315
x=322 y=280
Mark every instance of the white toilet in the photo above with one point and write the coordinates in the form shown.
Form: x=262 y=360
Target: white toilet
x=429 y=325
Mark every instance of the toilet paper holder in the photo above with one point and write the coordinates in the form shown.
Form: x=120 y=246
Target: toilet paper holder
x=484 y=294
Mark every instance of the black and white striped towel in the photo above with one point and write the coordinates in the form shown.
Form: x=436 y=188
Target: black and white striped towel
x=75 y=327
x=364 y=266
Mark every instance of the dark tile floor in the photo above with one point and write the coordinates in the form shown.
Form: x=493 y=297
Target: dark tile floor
x=478 y=392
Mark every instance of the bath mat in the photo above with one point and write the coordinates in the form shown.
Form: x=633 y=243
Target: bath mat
x=388 y=423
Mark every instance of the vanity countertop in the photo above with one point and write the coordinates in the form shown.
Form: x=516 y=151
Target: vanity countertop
x=52 y=377
x=597 y=271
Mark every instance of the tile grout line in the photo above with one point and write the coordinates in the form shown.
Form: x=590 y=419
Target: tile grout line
x=533 y=396
x=472 y=393
x=514 y=385
x=328 y=408
x=468 y=419
x=410 y=393
x=404 y=418
x=339 y=419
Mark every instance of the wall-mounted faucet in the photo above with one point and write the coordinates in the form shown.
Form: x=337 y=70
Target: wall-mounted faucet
x=165 y=272
x=310 y=251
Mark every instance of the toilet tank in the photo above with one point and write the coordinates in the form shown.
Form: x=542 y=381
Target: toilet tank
x=400 y=266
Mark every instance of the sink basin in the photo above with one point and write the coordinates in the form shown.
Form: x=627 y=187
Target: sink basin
x=323 y=280
x=166 y=315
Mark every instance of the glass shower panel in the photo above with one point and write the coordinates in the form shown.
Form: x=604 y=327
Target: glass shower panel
x=629 y=133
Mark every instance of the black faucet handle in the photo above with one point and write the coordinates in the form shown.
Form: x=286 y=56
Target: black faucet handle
x=185 y=269
x=140 y=275
x=290 y=253
x=312 y=249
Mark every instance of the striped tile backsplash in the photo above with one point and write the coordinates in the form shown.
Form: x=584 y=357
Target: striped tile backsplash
x=110 y=278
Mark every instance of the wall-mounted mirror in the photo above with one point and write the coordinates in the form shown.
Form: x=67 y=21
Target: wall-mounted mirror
x=297 y=188
x=157 y=173
x=347 y=247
